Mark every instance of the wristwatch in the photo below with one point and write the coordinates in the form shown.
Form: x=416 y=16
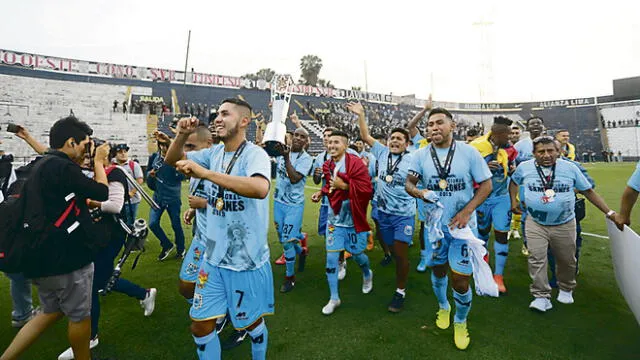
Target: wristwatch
x=610 y=214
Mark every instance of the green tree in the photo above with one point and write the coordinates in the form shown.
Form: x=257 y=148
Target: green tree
x=310 y=65
x=265 y=74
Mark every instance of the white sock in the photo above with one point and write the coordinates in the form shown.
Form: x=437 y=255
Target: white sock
x=401 y=292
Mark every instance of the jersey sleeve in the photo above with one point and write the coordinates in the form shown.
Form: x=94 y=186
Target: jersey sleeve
x=258 y=162
x=201 y=157
x=304 y=165
x=415 y=164
x=137 y=171
x=378 y=149
x=634 y=180
x=517 y=175
x=479 y=169
x=581 y=182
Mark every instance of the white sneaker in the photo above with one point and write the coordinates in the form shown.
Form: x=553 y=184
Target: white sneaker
x=541 y=304
x=342 y=270
x=331 y=306
x=149 y=302
x=68 y=354
x=565 y=297
x=367 y=284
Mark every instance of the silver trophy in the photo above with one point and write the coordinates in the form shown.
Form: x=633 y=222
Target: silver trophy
x=281 y=87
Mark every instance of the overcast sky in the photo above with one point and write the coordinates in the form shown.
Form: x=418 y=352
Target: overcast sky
x=538 y=50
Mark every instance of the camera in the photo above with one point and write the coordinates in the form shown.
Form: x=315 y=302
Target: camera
x=6 y=158
x=13 y=128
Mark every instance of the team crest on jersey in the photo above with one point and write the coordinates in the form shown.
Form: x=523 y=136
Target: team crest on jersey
x=202 y=278
x=191 y=269
x=197 y=301
x=408 y=230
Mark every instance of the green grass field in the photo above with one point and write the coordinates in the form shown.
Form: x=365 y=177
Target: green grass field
x=598 y=326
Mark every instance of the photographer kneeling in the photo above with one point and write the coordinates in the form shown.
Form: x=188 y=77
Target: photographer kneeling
x=109 y=212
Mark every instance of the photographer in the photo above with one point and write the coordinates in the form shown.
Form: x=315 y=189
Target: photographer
x=166 y=183
x=62 y=268
x=109 y=211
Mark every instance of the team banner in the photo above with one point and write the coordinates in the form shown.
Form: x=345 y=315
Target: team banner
x=625 y=250
x=50 y=63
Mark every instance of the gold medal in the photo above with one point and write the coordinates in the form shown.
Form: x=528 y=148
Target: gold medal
x=388 y=178
x=219 y=204
x=549 y=193
x=442 y=184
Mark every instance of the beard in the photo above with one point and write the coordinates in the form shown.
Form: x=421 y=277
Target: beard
x=231 y=133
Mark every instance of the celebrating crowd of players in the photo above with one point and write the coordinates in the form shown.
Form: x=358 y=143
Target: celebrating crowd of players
x=457 y=189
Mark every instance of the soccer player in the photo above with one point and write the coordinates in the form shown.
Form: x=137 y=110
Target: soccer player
x=236 y=274
x=348 y=188
x=567 y=149
x=198 y=198
x=396 y=208
x=450 y=168
x=549 y=184
x=292 y=167
x=323 y=214
x=629 y=198
x=496 y=209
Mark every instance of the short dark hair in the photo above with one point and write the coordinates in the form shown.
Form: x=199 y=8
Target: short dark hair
x=238 y=102
x=340 y=133
x=379 y=136
x=562 y=130
x=65 y=128
x=472 y=132
x=501 y=124
x=440 y=110
x=403 y=131
x=358 y=139
x=535 y=117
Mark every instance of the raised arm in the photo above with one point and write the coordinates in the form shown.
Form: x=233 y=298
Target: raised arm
x=176 y=153
x=25 y=135
x=357 y=109
x=413 y=123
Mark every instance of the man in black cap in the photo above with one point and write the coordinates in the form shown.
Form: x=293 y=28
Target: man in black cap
x=133 y=169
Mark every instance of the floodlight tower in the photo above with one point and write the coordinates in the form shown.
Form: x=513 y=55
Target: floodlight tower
x=486 y=81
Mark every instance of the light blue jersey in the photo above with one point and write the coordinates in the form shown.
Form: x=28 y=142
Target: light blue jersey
x=467 y=166
x=392 y=198
x=344 y=217
x=557 y=209
x=200 y=188
x=416 y=142
x=634 y=180
x=286 y=192
x=499 y=181
x=237 y=234
x=525 y=150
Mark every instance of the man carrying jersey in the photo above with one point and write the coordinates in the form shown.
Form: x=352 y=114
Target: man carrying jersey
x=548 y=184
x=318 y=179
x=348 y=188
x=450 y=168
x=235 y=275
x=396 y=208
x=292 y=167
x=496 y=209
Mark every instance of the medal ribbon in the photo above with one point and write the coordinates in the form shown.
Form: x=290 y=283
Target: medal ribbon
x=547 y=181
x=235 y=157
x=391 y=169
x=443 y=172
